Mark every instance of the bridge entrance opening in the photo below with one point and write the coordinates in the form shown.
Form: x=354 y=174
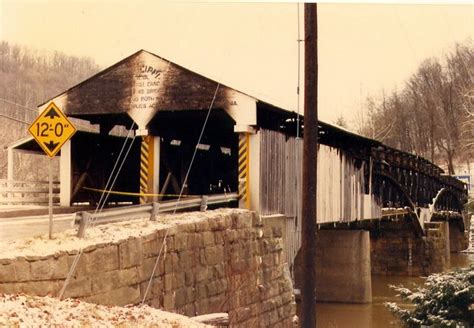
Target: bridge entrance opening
x=214 y=168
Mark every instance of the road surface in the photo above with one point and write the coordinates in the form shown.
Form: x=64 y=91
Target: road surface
x=30 y=226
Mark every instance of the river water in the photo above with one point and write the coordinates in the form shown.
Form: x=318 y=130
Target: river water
x=375 y=315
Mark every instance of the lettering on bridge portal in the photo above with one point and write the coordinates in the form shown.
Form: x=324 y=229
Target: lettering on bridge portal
x=148 y=79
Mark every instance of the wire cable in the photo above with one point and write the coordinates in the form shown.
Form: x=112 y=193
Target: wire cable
x=180 y=193
x=90 y=222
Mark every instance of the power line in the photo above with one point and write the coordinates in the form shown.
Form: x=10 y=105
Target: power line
x=15 y=119
x=17 y=104
x=84 y=127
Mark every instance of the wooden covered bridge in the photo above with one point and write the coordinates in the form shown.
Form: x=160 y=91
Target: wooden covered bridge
x=247 y=145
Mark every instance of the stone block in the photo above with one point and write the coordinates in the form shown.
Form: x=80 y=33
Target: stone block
x=218 y=271
x=273 y=245
x=189 y=310
x=49 y=268
x=130 y=253
x=219 y=238
x=120 y=296
x=104 y=281
x=208 y=238
x=22 y=269
x=188 y=227
x=168 y=282
x=78 y=288
x=231 y=235
x=6 y=261
x=257 y=221
x=277 y=232
x=194 y=240
x=15 y=271
x=220 y=223
x=156 y=303
x=10 y=288
x=169 y=301
x=180 y=297
x=214 y=255
x=202 y=273
x=171 y=262
x=216 y=287
x=146 y=268
x=7 y=273
x=99 y=260
x=41 y=288
x=245 y=234
x=179 y=279
x=155 y=292
x=202 y=226
x=201 y=291
x=202 y=306
x=152 y=247
x=241 y=314
x=189 y=277
x=241 y=221
x=190 y=294
x=216 y=303
x=186 y=260
x=180 y=241
x=127 y=277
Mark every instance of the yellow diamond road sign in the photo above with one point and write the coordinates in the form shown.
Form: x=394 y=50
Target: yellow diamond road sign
x=51 y=129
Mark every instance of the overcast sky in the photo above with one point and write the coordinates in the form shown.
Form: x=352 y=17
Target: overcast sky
x=251 y=47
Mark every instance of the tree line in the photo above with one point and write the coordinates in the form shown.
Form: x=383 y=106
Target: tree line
x=29 y=77
x=432 y=115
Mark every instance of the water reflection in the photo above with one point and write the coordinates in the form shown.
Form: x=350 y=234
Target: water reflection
x=375 y=315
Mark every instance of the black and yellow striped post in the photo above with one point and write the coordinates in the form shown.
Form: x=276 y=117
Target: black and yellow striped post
x=146 y=167
x=244 y=179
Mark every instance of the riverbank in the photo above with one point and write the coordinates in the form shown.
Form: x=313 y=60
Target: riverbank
x=375 y=314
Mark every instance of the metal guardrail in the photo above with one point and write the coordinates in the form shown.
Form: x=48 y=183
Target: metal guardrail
x=16 y=192
x=151 y=210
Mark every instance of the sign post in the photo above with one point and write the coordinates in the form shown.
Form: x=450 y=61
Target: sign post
x=51 y=130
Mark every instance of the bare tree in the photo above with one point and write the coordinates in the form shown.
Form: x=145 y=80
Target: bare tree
x=433 y=114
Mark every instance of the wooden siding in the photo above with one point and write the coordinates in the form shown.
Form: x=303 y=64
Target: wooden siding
x=341 y=183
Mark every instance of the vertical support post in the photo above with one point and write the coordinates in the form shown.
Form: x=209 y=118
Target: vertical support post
x=243 y=170
x=310 y=146
x=203 y=206
x=144 y=168
x=254 y=171
x=154 y=211
x=65 y=174
x=50 y=205
x=10 y=170
x=84 y=218
x=154 y=185
x=149 y=168
x=11 y=164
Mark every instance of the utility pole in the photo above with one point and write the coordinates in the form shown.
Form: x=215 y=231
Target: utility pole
x=310 y=153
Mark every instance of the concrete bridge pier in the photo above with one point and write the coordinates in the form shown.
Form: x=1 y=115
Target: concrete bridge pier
x=343 y=266
x=458 y=237
x=396 y=249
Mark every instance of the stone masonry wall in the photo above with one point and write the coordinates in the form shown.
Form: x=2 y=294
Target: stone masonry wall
x=401 y=252
x=225 y=262
x=458 y=239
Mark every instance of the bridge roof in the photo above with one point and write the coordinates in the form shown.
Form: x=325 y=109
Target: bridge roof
x=146 y=80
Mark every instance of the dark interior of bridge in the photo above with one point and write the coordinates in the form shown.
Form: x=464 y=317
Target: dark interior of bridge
x=214 y=169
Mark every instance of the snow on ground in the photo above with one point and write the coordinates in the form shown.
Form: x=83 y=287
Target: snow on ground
x=33 y=311
x=67 y=241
